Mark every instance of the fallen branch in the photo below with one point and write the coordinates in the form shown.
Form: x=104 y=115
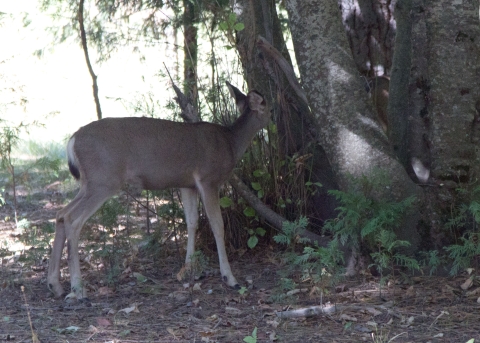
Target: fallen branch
x=314 y=311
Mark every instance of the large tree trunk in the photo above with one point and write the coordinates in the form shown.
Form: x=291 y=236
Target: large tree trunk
x=453 y=93
x=351 y=137
x=291 y=113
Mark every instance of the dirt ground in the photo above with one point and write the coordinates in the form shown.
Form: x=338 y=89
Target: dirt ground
x=149 y=304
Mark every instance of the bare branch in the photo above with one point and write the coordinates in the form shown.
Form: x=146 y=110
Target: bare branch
x=83 y=38
x=287 y=69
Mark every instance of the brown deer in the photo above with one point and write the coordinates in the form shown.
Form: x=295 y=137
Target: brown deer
x=378 y=89
x=153 y=154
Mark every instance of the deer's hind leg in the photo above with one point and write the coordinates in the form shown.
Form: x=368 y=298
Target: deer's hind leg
x=53 y=278
x=69 y=224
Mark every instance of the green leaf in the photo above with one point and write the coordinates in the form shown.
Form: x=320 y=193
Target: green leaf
x=260 y=231
x=256 y=186
x=239 y=26
x=232 y=18
x=223 y=26
x=249 y=212
x=258 y=173
x=260 y=193
x=226 y=202
x=252 y=242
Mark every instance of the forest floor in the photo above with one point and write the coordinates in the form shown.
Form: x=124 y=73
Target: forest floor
x=147 y=303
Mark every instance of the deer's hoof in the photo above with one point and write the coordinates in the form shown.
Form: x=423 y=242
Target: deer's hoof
x=56 y=289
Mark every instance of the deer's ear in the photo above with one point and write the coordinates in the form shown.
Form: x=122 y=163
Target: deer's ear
x=240 y=98
x=256 y=102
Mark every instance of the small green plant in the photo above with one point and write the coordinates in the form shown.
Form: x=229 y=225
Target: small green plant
x=463 y=254
x=466 y=217
x=113 y=243
x=252 y=338
x=318 y=266
x=433 y=260
x=253 y=240
x=363 y=222
x=243 y=290
x=387 y=255
x=198 y=264
x=290 y=231
x=9 y=137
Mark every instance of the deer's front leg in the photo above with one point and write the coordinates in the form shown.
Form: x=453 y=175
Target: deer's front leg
x=212 y=207
x=190 y=206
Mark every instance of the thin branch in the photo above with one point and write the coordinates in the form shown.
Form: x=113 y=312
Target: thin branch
x=83 y=38
x=287 y=69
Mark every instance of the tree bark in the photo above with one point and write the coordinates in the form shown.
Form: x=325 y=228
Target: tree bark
x=399 y=80
x=265 y=61
x=453 y=93
x=353 y=141
x=191 y=52
x=83 y=37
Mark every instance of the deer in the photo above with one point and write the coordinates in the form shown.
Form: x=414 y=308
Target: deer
x=153 y=154
x=378 y=89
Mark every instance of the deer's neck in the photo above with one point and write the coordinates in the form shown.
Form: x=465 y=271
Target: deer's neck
x=243 y=130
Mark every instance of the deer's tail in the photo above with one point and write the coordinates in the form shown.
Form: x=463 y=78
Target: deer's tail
x=72 y=159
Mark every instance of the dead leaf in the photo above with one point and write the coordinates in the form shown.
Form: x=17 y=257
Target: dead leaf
x=347 y=318
x=206 y=333
x=140 y=278
x=233 y=311
x=373 y=311
x=102 y=291
x=467 y=284
x=293 y=292
x=172 y=332
x=213 y=318
x=273 y=323
x=410 y=292
x=103 y=322
x=181 y=273
x=473 y=293
x=92 y=329
x=180 y=296
x=196 y=287
x=132 y=308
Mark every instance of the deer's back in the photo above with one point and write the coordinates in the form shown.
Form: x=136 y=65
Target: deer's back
x=154 y=153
